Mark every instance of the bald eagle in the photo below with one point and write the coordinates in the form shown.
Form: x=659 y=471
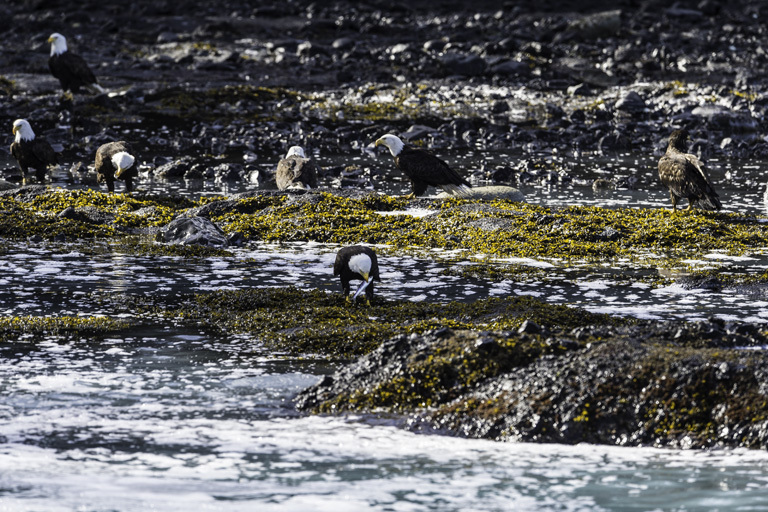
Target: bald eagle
x=70 y=68
x=423 y=168
x=296 y=170
x=115 y=161
x=31 y=152
x=359 y=263
x=683 y=174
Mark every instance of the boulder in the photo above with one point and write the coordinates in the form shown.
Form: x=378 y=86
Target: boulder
x=490 y=192
x=192 y=231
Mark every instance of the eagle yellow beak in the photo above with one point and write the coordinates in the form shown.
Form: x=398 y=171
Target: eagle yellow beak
x=378 y=143
x=119 y=172
x=15 y=129
x=50 y=39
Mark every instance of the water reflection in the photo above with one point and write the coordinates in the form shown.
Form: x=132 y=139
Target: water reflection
x=41 y=280
x=547 y=179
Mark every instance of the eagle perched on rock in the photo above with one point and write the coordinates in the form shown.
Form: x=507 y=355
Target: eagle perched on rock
x=296 y=170
x=70 y=68
x=31 y=152
x=683 y=174
x=423 y=168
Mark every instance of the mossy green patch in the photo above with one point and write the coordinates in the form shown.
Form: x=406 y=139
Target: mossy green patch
x=36 y=328
x=518 y=229
x=301 y=322
x=39 y=216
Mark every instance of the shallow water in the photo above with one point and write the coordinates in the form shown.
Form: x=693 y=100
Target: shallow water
x=741 y=184
x=178 y=421
x=171 y=419
x=38 y=279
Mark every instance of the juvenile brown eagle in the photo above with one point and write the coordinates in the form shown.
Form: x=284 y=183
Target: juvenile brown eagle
x=683 y=174
x=31 y=152
x=70 y=68
x=359 y=263
x=296 y=170
x=423 y=168
x=114 y=160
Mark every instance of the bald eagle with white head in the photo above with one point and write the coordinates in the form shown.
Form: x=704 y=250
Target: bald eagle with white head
x=683 y=174
x=31 y=152
x=70 y=68
x=114 y=160
x=359 y=263
x=423 y=168
x=296 y=170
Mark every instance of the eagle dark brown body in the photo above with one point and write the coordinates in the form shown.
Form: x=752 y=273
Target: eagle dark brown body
x=683 y=174
x=346 y=274
x=105 y=168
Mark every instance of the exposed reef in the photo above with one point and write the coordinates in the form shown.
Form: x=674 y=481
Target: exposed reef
x=682 y=386
x=655 y=237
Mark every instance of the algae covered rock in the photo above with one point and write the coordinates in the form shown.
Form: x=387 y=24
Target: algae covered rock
x=193 y=231
x=626 y=385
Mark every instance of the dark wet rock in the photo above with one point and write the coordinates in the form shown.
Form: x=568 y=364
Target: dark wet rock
x=355 y=177
x=510 y=68
x=597 y=384
x=593 y=26
x=462 y=64
x=631 y=102
x=417 y=131
x=529 y=327
x=709 y=283
x=603 y=184
x=614 y=141
x=579 y=90
x=26 y=193
x=609 y=234
x=88 y=214
x=227 y=172
x=678 y=12
x=722 y=118
x=192 y=231
x=175 y=169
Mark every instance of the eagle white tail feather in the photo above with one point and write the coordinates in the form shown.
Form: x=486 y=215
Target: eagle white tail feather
x=96 y=88
x=457 y=190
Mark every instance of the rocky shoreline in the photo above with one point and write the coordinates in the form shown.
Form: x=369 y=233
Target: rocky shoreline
x=219 y=92
x=511 y=368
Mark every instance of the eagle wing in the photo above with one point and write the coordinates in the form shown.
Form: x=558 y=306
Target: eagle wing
x=421 y=166
x=44 y=152
x=71 y=69
x=683 y=174
x=341 y=257
x=374 y=265
x=295 y=169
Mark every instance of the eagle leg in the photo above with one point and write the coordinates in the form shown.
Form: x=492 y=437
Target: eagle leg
x=674 y=200
x=409 y=196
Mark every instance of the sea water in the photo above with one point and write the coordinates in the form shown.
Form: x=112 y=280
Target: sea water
x=175 y=419
x=179 y=421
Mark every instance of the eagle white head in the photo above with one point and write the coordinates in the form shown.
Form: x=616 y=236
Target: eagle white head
x=361 y=263
x=295 y=151
x=22 y=130
x=122 y=162
x=58 y=44
x=392 y=142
